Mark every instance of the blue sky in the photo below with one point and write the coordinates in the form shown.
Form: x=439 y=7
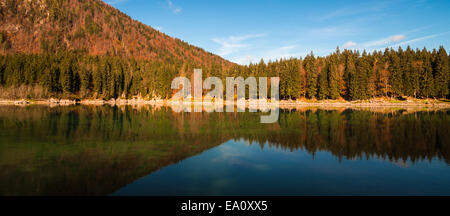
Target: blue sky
x=247 y=30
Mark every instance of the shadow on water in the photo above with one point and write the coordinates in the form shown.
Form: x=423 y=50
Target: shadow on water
x=95 y=150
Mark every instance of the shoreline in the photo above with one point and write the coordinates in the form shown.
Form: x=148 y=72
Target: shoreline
x=248 y=103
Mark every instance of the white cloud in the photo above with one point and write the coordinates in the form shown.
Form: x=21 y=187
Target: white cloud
x=384 y=41
x=272 y=54
x=349 y=44
x=234 y=44
x=175 y=9
x=419 y=39
x=113 y=2
x=333 y=31
x=355 y=9
x=282 y=52
x=243 y=60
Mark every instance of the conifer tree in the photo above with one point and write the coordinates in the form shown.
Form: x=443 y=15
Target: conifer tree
x=311 y=75
x=396 y=78
x=441 y=76
x=352 y=78
x=410 y=79
x=426 y=76
x=333 y=73
x=323 y=83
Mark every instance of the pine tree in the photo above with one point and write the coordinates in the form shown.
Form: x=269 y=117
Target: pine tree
x=385 y=86
x=374 y=77
x=441 y=74
x=323 y=83
x=2 y=69
x=311 y=75
x=364 y=71
x=448 y=75
x=352 y=79
x=426 y=76
x=410 y=73
x=396 y=73
x=66 y=75
x=333 y=77
x=347 y=74
x=97 y=76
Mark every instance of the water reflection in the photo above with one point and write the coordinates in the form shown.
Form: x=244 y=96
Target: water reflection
x=235 y=168
x=98 y=150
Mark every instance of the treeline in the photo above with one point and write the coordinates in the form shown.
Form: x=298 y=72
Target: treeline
x=75 y=75
x=344 y=74
x=354 y=76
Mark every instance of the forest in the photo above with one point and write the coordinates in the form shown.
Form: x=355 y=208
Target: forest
x=346 y=74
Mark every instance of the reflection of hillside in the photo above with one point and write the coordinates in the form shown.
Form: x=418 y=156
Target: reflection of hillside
x=96 y=150
x=89 y=150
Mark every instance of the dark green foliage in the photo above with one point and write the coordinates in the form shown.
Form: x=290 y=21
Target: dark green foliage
x=441 y=72
x=349 y=75
x=323 y=84
x=333 y=79
x=311 y=75
x=426 y=80
x=396 y=72
x=351 y=78
x=411 y=73
x=359 y=78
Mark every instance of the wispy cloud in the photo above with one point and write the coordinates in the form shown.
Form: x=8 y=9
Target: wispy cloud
x=333 y=31
x=349 y=44
x=233 y=44
x=384 y=41
x=354 y=10
x=243 y=60
x=271 y=54
x=282 y=52
x=419 y=39
x=175 y=9
x=113 y=2
x=391 y=41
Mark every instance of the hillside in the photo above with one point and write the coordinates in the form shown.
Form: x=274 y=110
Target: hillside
x=86 y=49
x=91 y=26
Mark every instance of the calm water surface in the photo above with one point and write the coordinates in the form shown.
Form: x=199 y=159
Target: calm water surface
x=89 y=150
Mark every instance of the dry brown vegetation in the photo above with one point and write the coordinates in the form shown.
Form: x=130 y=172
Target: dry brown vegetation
x=24 y=92
x=92 y=26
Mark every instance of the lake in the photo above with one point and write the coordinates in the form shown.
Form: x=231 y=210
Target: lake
x=105 y=150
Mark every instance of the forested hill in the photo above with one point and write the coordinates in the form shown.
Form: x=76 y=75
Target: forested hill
x=87 y=49
x=90 y=26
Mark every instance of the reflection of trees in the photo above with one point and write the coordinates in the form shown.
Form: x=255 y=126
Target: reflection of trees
x=90 y=150
x=96 y=150
x=357 y=134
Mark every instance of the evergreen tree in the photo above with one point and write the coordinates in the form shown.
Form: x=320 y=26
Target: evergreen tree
x=311 y=75
x=396 y=72
x=441 y=74
x=426 y=76
x=323 y=83
x=347 y=74
x=333 y=73
x=352 y=79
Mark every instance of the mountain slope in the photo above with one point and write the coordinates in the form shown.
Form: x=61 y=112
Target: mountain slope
x=92 y=26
